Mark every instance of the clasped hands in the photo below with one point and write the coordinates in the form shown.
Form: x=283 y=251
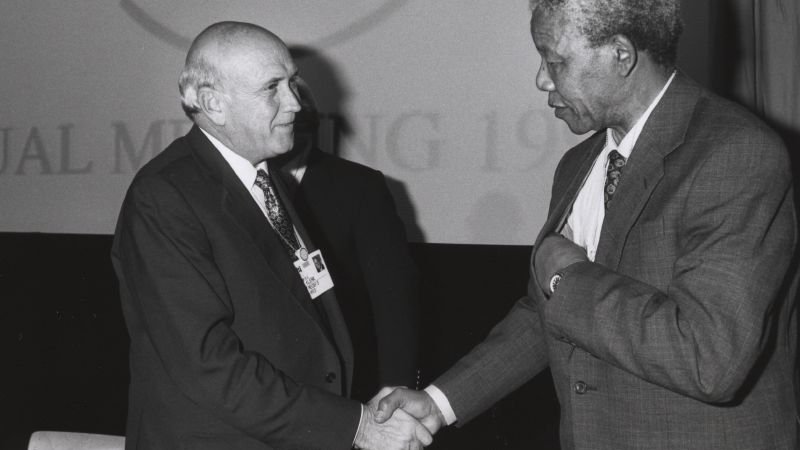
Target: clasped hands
x=399 y=419
x=405 y=419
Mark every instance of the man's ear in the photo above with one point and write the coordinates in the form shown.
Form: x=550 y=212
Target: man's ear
x=625 y=54
x=213 y=105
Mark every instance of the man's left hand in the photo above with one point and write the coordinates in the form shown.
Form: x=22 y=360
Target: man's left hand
x=555 y=253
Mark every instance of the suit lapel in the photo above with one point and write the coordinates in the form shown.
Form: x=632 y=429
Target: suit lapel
x=239 y=204
x=561 y=206
x=664 y=131
x=561 y=203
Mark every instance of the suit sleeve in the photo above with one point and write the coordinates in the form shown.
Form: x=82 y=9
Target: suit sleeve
x=166 y=265
x=392 y=282
x=513 y=353
x=702 y=335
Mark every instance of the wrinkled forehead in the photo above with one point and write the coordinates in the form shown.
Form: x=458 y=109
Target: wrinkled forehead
x=550 y=26
x=556 y=15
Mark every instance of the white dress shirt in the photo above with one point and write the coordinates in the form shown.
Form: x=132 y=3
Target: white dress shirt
x=586 y=219
x=588 y=211
x=247 y=173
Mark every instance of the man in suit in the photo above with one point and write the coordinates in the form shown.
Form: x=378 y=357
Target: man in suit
x=350 y=214
x=237 y=341
x=662 y=289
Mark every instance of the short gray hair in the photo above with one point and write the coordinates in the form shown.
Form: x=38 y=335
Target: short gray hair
x=197 y=73
x=654 y=26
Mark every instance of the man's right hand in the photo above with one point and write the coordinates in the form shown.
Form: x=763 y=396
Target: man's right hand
x=416 y=403
x=398 y=431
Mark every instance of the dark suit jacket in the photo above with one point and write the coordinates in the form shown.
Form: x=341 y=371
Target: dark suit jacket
x=227 y=349
x=350 y=214
x=682 y=334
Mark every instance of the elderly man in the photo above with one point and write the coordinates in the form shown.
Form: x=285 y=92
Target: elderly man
x=662 y=287
x=236 y=338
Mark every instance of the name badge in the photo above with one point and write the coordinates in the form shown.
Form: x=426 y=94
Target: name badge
x=314 y=272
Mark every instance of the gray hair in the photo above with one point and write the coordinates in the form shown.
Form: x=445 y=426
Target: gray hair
x=197 y=73
x=654 y=26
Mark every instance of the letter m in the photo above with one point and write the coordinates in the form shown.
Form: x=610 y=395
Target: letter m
x=123 y=145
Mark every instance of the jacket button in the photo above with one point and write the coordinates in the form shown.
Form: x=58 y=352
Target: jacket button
x=330 y=377
x=580 y=388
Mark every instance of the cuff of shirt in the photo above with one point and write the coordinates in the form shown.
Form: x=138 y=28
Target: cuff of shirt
x=442 y=403
x=359 y=426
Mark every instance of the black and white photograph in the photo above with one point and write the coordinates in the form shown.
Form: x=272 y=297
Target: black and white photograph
x=400 y=225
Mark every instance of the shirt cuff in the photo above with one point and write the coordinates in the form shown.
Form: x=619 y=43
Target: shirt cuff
x=442 y=403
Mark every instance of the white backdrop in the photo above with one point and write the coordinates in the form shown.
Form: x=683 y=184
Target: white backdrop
x=440 y=96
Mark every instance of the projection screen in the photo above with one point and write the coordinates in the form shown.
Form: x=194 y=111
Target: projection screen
x=440 y=96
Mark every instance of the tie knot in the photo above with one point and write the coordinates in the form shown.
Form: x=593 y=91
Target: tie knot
x=615 y=160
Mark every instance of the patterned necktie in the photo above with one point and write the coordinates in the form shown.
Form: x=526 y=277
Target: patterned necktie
x=615 y=164
x=278 y=217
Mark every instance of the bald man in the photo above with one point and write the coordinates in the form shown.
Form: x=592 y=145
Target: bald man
x=237 y=341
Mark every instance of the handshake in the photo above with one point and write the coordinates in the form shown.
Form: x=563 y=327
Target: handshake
x=398 y=419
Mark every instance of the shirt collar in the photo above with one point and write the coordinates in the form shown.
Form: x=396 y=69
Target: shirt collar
x=243 y=168
x=625 y=147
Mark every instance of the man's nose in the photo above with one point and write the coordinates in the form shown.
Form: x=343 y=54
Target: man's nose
x=291 y=100
x=543 y=80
